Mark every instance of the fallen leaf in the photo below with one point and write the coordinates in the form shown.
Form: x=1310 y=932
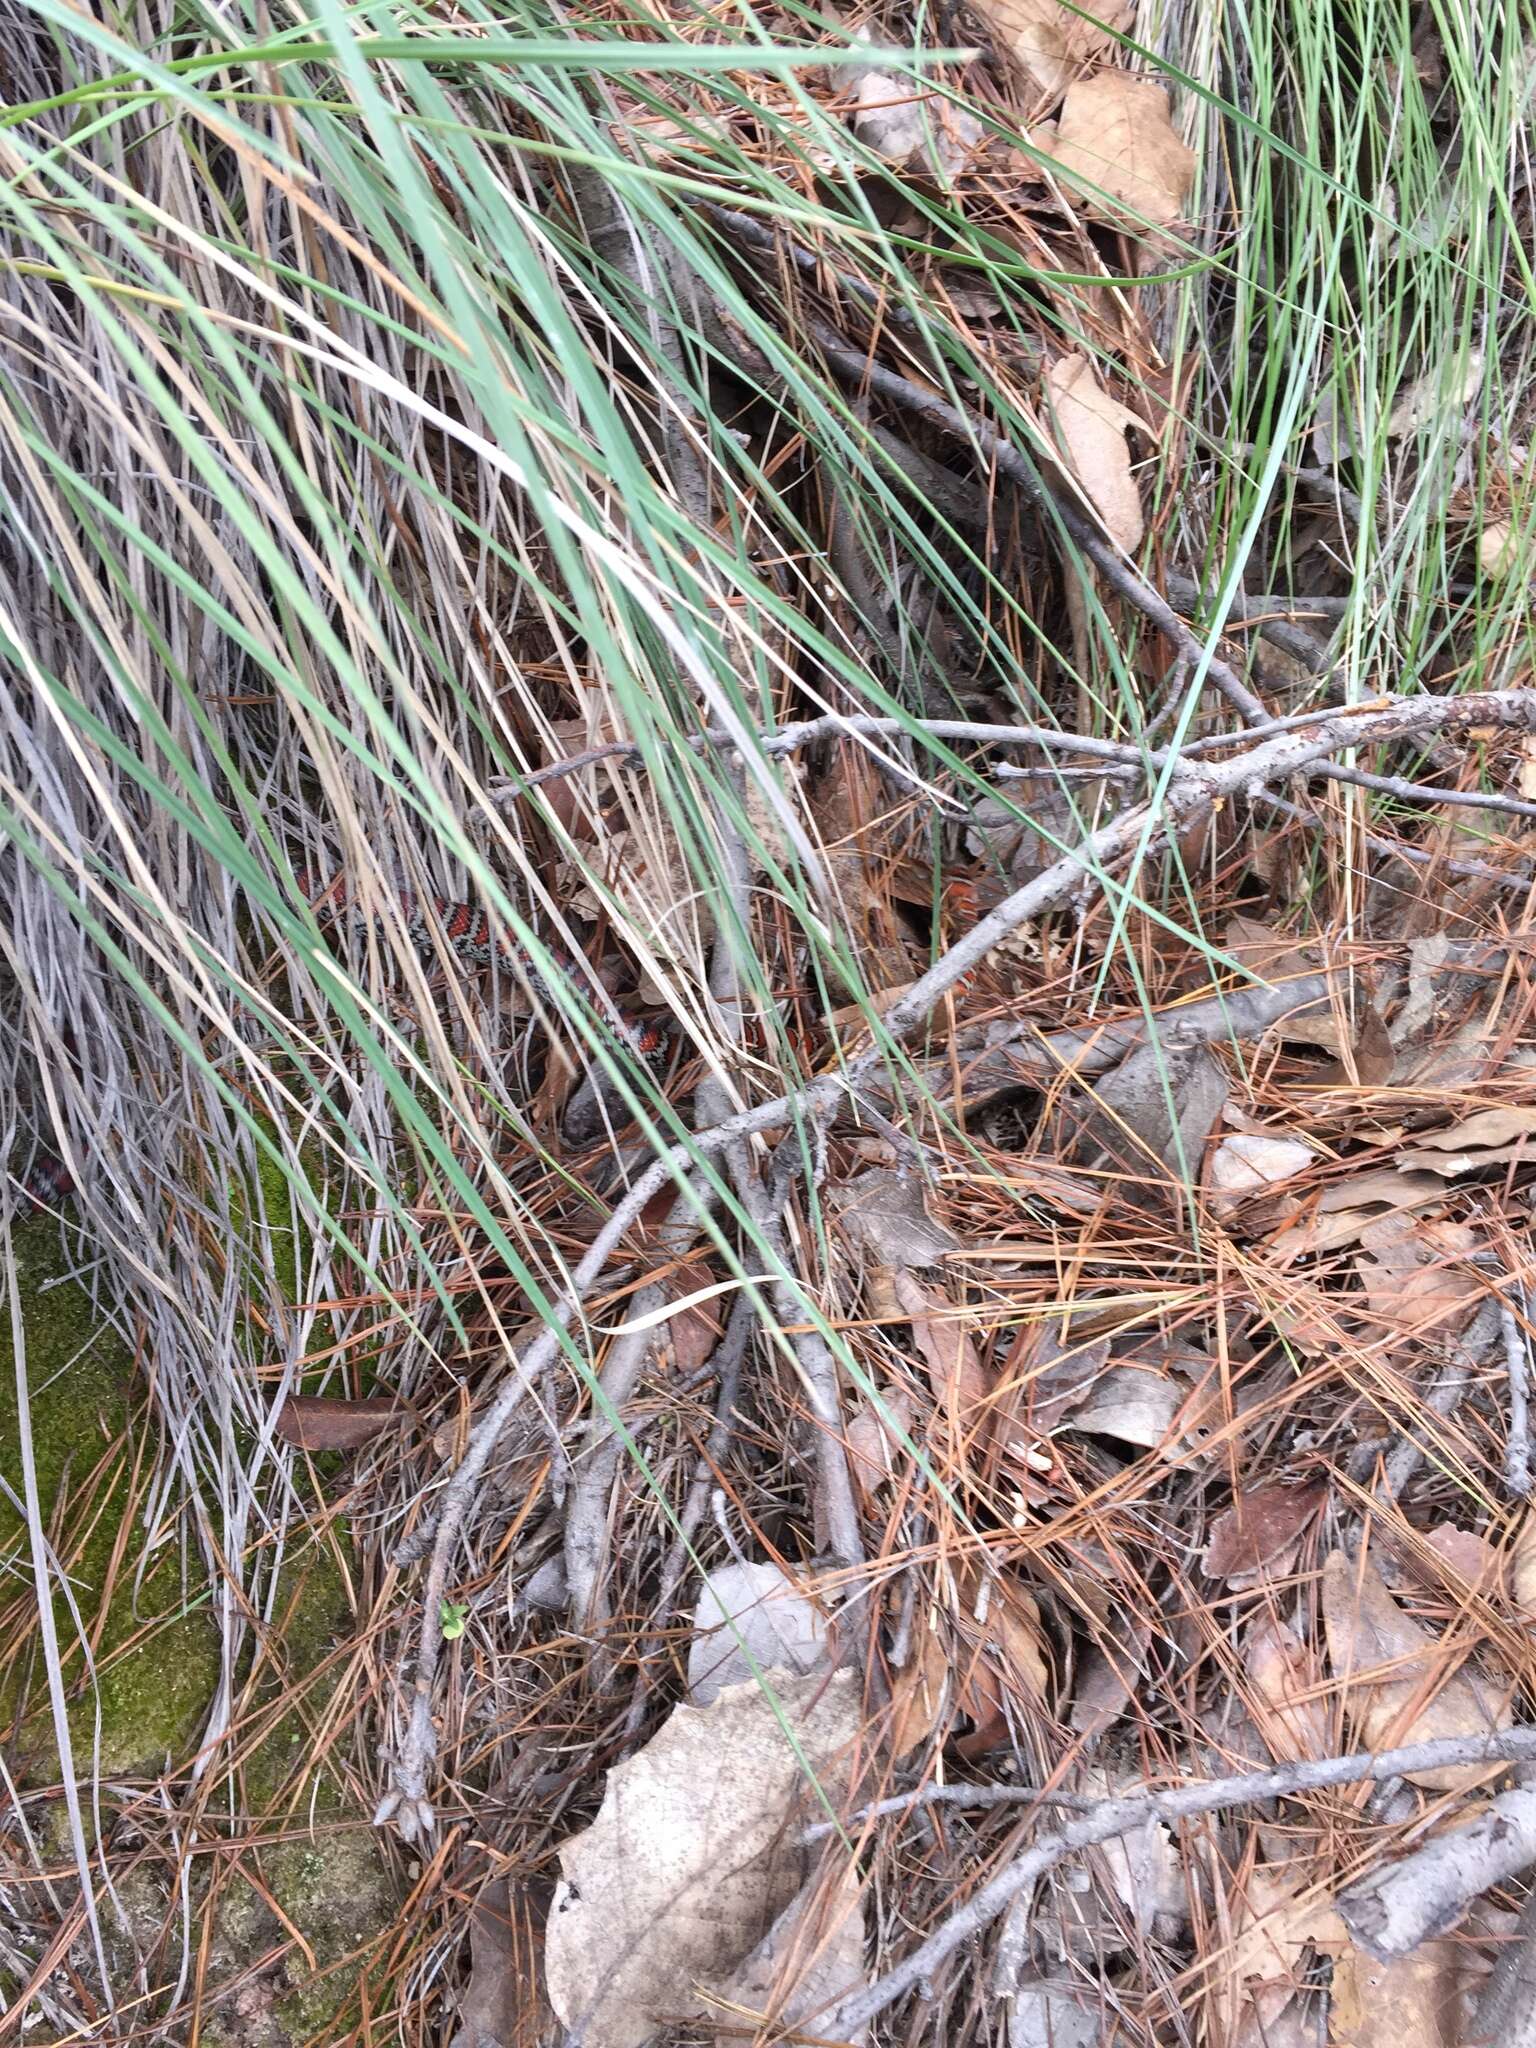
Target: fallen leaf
x=1042 y=2015
x=504 y=1998
x=1132 y=1404
x=1471 y=1559
x=1115 y=135
x=808 y=1963
x=918 y=1694
x=913 y=129
x=1410 y=1700
x=1000 y=1659
x=1406 y=1268
x=1089 y=427
x=692 y=1856
x=1280 y=1914
x=1107 y=1678
x=1501 y=548
x=1490 y=1138
x=1166 y=1099
x=1054 y=1379
x=888 y=1214
x=961 y=1386
x=1349 y=1207
x=1050 y=42
x=1260 y=1526
x=756 y=1610
x=1144 y=1871
x=322 y=1422
x=1250 y=1161
x=1414 y=2003
x=1283 y=1702
x=873 y=1446
x=1427 y=398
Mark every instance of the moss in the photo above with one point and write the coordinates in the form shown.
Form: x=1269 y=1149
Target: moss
x=156 y=1654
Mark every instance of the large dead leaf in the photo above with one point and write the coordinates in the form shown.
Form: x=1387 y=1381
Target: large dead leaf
x=751 y=1610
x=1132 y=1404
x=1116 y=136
x=323 y=1422
x=1281 y=1913
x=1261 y=1528
x=810 y=1961
x=692 y=1857
x=960 y=1382
x=888 y=1214
x=1249 y=1163
x=1399 y=1685
x=1283 y=1698
x=1412 y=1277
x=1089 y=427
x=916 y=130
x=1490 y=1138
x=1050 y=42
x=999 y=1658
x=1348 y=1208
x=1414 y=2003
x=1042 y=2015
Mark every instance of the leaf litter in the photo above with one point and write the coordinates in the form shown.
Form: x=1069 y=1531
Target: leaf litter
x=1162 y=1350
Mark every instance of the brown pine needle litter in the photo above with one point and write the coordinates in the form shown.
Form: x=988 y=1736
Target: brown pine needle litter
x=765 y=1026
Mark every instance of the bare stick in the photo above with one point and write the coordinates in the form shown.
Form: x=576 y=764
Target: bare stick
x=1393 y=1910
x=1517 y=1365
x=1116 y=1817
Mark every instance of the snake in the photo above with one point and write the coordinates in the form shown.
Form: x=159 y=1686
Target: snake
x=475 y=937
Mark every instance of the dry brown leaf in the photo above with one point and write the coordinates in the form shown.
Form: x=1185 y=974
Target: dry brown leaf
x=1250 y=1162
x=916 y=130
x=1089 y=427
x=888 y=1214
x=1500 y=548
x=1000 y=1655
x=1474 y=1565
x=1050 y=43
x=1423 y=401
x=1406 y=1268
x=1349 y=1207
x=1284 y=1703
x=807 y=1964
x=1261 y=1526
x=1282 y=1913
x=1133 y=1404
x=1415 y=2003
x=322 y=1422
x=1489 y=1138
x=918 y=1694
x=1107 y=1678
x=1115 y=134
x=692 y=1856
x=960 y=1382
x=756 y=1612
x=1393 y=1674
x=873 y=1446
x=504 y=2001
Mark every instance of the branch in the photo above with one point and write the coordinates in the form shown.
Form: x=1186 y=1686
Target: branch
x=1393 y=1910
x=1116 y=1817
x=1194 y=790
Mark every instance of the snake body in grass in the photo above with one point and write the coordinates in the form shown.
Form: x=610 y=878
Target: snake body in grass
x=474 y=936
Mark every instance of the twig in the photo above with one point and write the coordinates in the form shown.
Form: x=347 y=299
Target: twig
x=856 y=367
x=1393 y=1910
x=960 y=1798
x=1517 y=1365
x=1116 y=1817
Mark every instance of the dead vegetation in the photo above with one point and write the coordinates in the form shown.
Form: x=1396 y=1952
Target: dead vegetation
x=986 y=1495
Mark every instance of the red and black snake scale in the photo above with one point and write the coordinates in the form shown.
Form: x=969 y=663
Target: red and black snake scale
x=474 y=937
